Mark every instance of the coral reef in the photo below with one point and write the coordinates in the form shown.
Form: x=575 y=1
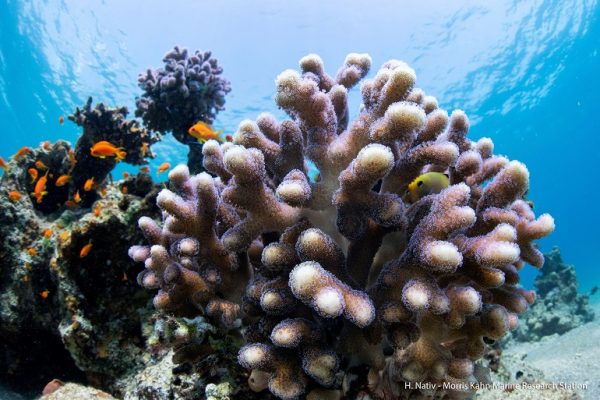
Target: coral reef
x=80 y=314
x=558 y=307
x=102 y=123
x=341 y=286
x=166 y=375
x=188 y=89
x=56 y=177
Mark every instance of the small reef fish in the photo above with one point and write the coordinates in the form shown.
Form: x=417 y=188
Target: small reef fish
x=39 y=164
x=3 y=164
x=89 y=184
x=124 y=278
x=204 y=132
x=61 y=120
x=46 y=145
x=22 y=151
x=97 y=211
x=70 y=204
x=103 y=192
x=594 y=290
x=62 y=180
x=14 y=196
x=105 y=149
x=40 y=188
x=32 y=251
x=428 y=183
x=144 y=149
x=85 y=250
x=229 y=138
x=77 y=197
x=47 y=233
x=33 y=173
x=163 y=167
x=145 y=170
x=72 y=159
x=125 y=175
x=124 y=190
x=44 y=294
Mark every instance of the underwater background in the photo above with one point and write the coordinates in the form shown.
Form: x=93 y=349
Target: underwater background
x=526 y=73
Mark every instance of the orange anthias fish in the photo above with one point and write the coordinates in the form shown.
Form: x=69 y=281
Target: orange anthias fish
x=22 y=151
x=44 y=294
x=14 y=196
x=144 y=149
x=72 y=156
x=124 y=190
x=163 y=167
x=47 y=233
x=85 y=250
x=89 y=184
x=46 y=145
x=204 y=132
x=62 y=180
x=40 y=188
x=70 y=204
x=105 y=149
x=33 y=173
x=125 y=175
x=97 y=211
x=3 y=164
x=32 y=251
x=61 y=120
x=39 y=164
x=77 y=197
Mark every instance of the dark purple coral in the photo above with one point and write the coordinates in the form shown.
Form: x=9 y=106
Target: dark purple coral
x=188 y=89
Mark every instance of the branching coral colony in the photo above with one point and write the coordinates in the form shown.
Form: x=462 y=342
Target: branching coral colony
x=340 y=272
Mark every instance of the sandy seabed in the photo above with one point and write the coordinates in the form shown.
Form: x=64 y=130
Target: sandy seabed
x=556 y=367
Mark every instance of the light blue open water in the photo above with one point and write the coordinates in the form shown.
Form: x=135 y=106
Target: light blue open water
x=526 y=72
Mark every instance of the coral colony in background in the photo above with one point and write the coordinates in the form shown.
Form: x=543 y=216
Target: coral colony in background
x=384 y=275
x=185 y=91
x=369 y=265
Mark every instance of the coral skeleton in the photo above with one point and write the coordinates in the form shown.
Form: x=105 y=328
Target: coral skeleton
x=325 y=274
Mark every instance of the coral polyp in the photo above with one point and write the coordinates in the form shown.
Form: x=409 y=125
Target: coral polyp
x=345 y=269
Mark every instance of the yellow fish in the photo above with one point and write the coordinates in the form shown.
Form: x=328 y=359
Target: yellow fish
x=204 y=132
x=428 y=183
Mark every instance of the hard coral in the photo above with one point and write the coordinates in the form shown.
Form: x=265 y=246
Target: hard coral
x=341 y=272
x=188 y=89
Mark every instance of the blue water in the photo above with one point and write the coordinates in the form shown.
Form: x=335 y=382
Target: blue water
x=526 y=72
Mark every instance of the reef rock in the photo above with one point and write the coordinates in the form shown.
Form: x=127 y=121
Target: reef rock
x=80 y=312
x=558 y=307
